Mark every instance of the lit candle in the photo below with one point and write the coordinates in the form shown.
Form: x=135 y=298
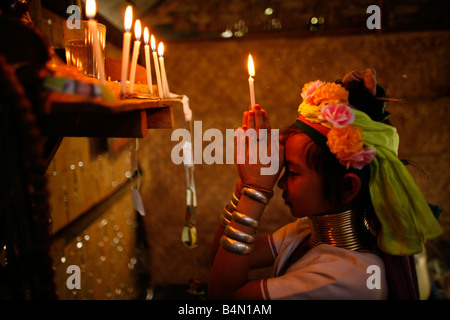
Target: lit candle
x=137 y=46
x=147 y=61
x=126 y=48
x=158 y=74
x=165 y=84
x=91 y=11
x=251 y=73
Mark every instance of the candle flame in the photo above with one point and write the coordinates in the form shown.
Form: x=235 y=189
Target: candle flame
x=146 y=35
x=128 y=18
x=251 y=66
x=153 y=45
x=160 y=49
x=91 y=9
x=137 y=30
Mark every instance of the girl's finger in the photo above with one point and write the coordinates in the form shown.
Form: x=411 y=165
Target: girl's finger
x=245 y=118
x=266 y=120
x=259 y=121
x=251 y=120
x=240 y=146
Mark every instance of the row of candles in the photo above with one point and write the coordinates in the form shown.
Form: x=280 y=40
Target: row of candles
x=160 y=71
x=158 y=58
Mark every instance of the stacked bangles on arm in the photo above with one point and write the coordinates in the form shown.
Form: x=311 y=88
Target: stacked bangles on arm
x=234 y=240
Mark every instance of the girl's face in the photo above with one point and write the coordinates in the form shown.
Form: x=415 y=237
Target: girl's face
x=302 y=186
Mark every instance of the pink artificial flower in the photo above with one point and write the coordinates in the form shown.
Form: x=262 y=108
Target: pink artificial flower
x=308 y=90
x=339 y=115
x=359 y=159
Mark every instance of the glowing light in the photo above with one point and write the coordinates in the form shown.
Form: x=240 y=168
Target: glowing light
x=91 y=9
x=227 y=34
x=251 y=73
x=137 y=30
x=128 y=18
x=268 y=11
x=251 y=66
x=153 y=44
x=160 y=49
x=146 y=35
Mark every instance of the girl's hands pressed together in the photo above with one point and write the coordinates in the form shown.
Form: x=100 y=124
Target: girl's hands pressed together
x=258 y=149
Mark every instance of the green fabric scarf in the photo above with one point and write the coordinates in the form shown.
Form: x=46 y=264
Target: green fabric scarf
x=406 y=218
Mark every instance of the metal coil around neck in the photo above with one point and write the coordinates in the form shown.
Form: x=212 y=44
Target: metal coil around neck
x=344 y=230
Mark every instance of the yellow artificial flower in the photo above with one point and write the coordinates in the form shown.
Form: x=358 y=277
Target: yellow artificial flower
x=317 y=94
x=310 y=112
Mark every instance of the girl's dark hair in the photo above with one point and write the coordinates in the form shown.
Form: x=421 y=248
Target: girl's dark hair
x=363 y=100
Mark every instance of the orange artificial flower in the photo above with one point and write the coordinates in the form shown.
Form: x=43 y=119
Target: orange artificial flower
x=330 y=93
x=345 y=141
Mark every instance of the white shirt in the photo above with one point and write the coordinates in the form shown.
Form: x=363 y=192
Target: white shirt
x=324 y=272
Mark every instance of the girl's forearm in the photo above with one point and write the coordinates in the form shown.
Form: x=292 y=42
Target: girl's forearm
x=230 y=270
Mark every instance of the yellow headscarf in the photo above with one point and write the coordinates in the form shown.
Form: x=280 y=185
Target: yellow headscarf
x=406 y=218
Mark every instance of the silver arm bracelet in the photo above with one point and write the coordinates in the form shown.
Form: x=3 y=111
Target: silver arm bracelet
x=255 y=195
x=238 y=235
x=224 y=221
x=245 y=220
x=231 y=206
x=235 y=246
x=227 y=214
x=234 y=199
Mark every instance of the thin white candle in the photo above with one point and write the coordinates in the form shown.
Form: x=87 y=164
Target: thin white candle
x=251 y=73
x=165 y=84
x=126 y=48
x=148 y=64
x=137 y=46
x=157 y=72
x=91 y=11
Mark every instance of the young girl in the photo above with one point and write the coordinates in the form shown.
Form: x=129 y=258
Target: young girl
x=360 y=215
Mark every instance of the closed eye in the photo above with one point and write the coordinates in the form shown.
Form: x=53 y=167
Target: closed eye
x=293 y=172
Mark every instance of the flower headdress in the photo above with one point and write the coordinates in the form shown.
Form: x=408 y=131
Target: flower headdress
x=327 y=104
x=326 y=116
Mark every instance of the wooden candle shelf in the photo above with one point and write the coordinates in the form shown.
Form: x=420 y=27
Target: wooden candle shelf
x=68 y=115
